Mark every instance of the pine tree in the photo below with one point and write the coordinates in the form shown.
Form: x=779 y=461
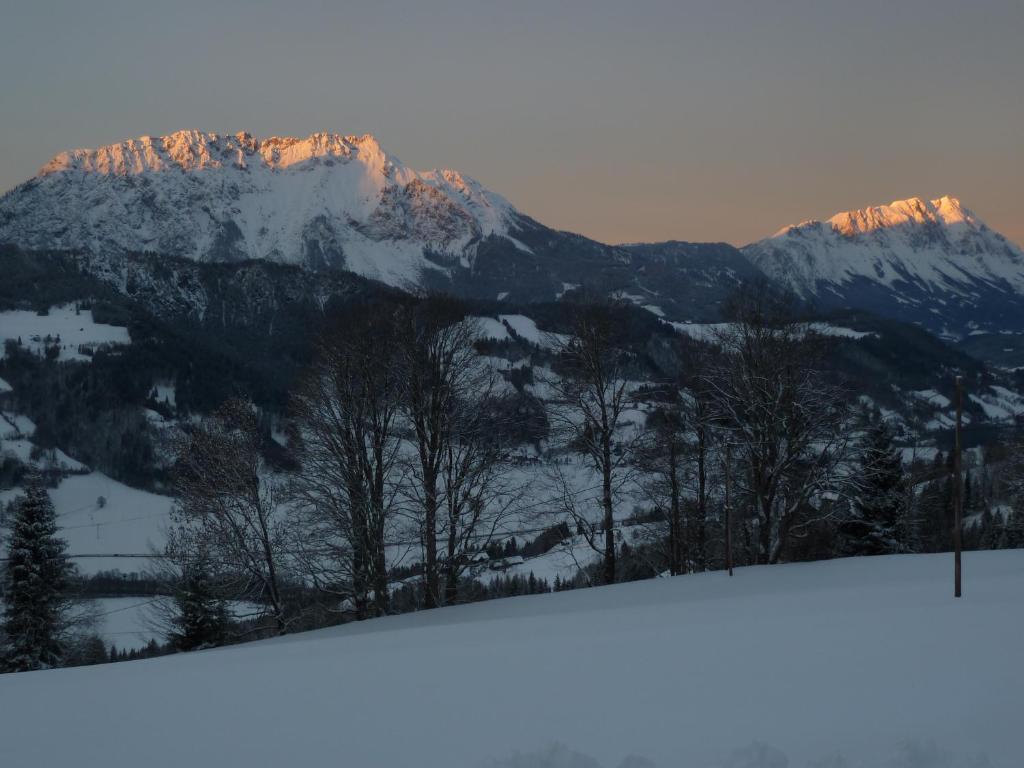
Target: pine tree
x=202 y=617
x=935 y=520
x=879 y=524
x=35 y=579
x=1014 y=531
x=991 y=526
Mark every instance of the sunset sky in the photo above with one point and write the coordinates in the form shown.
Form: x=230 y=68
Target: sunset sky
x=625 y=121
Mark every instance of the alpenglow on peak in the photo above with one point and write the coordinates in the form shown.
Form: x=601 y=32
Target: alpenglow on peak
x=326 y=200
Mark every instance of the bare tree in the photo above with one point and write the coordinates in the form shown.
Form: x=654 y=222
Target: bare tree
x=674 y=457
x=229 y=504
x=478 y=494
x=591 y=397
x=698 y=414
x=451 y=464
x=661 y=458
x=346 y=408
x=784 y=421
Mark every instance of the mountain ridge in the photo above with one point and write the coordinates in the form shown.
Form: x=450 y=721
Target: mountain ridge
x=323 y=201
x=335 y=201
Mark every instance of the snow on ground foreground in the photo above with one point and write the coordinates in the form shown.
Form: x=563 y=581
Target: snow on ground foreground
x=860 y=663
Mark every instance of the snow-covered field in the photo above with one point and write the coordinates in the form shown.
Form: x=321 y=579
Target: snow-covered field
x=861 y=663
x=125 y=622
x=100 y=516
x=61 y=325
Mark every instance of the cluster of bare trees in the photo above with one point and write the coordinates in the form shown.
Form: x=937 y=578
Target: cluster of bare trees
x=397 y=438
x=752 y=409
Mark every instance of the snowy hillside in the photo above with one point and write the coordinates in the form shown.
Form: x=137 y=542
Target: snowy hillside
x=104 y=520
x=326 y=200
x=70 y=333
x=934 y=262
x=856 y=663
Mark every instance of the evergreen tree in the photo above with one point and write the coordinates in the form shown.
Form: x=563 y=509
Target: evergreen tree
x=1013 y=537
x=936 y=515
x=87 y=651
x=202 y=617
x=878 y=525
x=991 y=526
x=35 y=579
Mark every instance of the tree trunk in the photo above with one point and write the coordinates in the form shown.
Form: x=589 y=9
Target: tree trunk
x=378 y=556
x=430 y=575
x=359 y=560
x=785 y=522
x=702 y=499
x=674 y=525
x=764 y=530
x=275 y=600
x=451 y=576
x=609 y=518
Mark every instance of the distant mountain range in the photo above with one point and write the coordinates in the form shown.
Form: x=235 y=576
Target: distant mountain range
x=331 y=202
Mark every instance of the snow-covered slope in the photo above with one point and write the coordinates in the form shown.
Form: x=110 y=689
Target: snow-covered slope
x=855 y=663
x=934 y=262
x=326 y=200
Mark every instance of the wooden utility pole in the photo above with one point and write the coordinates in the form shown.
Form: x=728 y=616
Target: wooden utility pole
x=728 y=507
x=958 y=501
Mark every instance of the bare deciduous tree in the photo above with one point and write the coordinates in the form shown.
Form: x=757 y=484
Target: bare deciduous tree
x=661 y=458
x=478 y=495
x=346 y=408
x=784 y=421
x=230 y=505
x=591 y=397
x=443 y=382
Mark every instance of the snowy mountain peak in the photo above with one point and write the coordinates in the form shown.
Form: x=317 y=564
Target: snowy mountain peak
x=193 y=150
x=915 y=252
x=324 y=200
x=946 y=211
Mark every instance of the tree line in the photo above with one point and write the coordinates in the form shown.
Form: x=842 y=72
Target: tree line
x=400 y=430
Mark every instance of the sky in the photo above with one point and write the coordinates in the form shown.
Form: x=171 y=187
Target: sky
x=703 y=120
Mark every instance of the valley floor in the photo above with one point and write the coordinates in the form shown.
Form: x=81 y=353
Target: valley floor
x=843 y=664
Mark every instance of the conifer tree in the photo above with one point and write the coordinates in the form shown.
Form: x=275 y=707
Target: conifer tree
x=1013 y=532
x=35 y=579
x=202 y=617
x=878 y=526
x=990 y=529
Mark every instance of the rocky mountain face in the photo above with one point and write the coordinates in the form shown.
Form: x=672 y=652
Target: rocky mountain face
x=934 y=263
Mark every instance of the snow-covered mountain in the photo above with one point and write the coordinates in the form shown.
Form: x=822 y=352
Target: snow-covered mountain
x=341 y=203
x=326 y=200
x=337 y=202
x=931 y=262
